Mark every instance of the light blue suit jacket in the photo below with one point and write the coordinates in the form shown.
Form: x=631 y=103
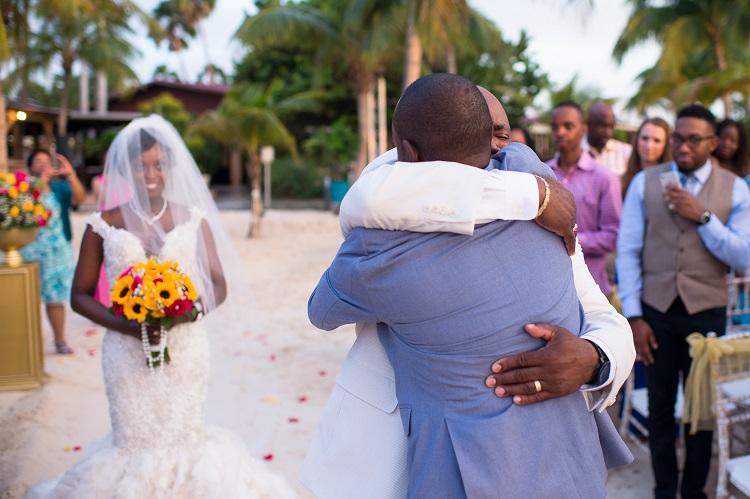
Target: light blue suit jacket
x=448 y=306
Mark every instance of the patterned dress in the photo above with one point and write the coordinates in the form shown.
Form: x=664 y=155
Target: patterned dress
x=54 y=254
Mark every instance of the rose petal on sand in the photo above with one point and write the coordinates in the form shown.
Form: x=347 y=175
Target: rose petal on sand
x=302 y=398
x=77 y=448
x=322 y=373
x=273 y=357
x=293 y=420
x=268 y=457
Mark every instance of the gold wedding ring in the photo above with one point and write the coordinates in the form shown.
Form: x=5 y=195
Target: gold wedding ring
x=537 y=386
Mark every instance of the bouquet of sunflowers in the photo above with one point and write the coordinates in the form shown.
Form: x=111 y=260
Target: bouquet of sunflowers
x=19 y=202
x=155 y=293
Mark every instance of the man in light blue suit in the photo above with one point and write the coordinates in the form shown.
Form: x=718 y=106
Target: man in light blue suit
x=448 y=306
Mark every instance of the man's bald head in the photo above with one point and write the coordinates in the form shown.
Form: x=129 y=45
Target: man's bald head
x=500 y=123
x=443 y=117
x=601 y=124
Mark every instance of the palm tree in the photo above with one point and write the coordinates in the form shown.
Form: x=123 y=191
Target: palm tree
x=91 y=30
x=181 y=20
x=357 y=34
x=694 y=35
x=248 y=118
x=433 y=27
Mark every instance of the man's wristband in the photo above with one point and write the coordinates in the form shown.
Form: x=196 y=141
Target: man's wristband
x=545 y=202
x=635 y=318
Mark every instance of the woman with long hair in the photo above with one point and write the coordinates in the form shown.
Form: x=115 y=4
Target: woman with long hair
x=650 y=148
x=732 y=150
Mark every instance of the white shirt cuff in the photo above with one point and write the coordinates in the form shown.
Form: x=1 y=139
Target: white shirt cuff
x=508 y=196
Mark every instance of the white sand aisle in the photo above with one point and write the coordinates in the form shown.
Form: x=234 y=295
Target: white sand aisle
x=271 y=374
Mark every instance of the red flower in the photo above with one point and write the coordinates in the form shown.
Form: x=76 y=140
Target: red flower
x=125 y=272
x=179 y=307
x=35 y=194
x=117 y=309
x=20 y=176
x=41 y=222
x=137 y=281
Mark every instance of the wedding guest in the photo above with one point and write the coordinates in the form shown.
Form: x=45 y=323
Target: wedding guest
x=598 y=205
x=732 y=151
x=675 y=247
x=606 y=150
x=650 y=148
x=63 y=182
x=51 y=248
x=522 y=135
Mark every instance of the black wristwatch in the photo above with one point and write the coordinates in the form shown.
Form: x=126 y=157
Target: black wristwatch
x=601 y=372
x=705 y=218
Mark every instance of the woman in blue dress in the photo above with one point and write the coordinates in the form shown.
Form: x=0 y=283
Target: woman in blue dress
x=51 y=248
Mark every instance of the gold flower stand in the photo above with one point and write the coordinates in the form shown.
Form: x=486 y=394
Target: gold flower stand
x=21 y=357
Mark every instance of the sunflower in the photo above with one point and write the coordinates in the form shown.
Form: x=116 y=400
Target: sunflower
x=190 y=291
x=12 y=192
x=121 y=289
x=39 y=210
x=28 y=206
x=166 y=292
x=23 y=186
x=135 y=309
x=14 y=211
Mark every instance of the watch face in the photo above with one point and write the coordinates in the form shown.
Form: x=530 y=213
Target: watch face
x=705 y=217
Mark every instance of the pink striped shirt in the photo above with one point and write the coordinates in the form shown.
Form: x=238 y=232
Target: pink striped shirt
x=598 y=204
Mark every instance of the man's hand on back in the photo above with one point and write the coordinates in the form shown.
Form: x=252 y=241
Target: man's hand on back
x=560 y=215
x=560 y=367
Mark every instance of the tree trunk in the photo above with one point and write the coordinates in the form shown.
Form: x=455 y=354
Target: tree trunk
x=721 y=63
x=363 y=125
x=450 y=59
x=412 y=47
x=62 y=118
x=371 y=131
x=256 y=206
x=382 y=117
x=3 y=135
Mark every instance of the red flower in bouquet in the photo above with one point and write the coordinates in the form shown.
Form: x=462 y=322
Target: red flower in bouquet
x=178 y=308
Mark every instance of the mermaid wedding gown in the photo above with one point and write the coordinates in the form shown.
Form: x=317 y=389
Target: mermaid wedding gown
x=159 y=446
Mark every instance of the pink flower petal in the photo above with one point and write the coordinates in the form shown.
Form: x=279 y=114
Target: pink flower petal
x=293 y=420
x=302 y=398
x=322 y=373
x=268 y=457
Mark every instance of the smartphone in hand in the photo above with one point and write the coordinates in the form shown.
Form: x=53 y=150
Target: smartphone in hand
x=670 y=178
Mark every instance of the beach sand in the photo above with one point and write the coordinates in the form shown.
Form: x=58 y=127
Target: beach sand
x=271 y=375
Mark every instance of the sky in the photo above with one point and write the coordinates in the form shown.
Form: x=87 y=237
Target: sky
x=567 y=38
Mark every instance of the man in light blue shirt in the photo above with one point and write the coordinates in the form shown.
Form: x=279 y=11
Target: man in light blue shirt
x=684 y=225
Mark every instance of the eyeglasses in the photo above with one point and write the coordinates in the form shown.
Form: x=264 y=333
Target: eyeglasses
x=693 y=140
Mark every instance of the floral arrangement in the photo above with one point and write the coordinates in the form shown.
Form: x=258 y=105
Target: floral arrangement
x=19 y=201
x=155 y=293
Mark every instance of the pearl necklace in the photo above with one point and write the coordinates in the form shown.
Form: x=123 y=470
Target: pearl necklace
x=155 y=218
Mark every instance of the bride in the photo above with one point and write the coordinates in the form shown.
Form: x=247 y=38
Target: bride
x=159 y=445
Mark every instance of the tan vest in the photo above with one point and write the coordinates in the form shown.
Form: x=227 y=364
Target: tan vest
x=675 y=261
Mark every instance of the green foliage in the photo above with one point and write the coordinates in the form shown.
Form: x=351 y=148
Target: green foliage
x=333 y=147
x=97 y=147
x=503 y=67
x=208 y=154
x=704 y=50
x=296 y=179
x=169 y=108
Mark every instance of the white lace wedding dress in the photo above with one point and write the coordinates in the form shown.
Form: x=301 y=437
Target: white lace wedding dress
x=159 y=446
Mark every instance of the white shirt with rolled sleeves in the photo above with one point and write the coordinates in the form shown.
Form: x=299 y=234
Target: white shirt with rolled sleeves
x=359 y=449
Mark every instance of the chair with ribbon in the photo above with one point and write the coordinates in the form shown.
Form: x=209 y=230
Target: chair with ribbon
x=717 y=396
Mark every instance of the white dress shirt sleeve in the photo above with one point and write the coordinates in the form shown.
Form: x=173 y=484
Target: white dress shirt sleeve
x=436 y=196
x=606 y=328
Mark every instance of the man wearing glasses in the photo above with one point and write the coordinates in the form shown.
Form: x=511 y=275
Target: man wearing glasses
x=684 y=224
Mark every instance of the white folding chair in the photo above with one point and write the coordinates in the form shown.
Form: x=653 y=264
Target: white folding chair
x=635 y=406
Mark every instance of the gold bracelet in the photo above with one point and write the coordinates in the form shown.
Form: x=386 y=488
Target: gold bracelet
x=546 y=196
